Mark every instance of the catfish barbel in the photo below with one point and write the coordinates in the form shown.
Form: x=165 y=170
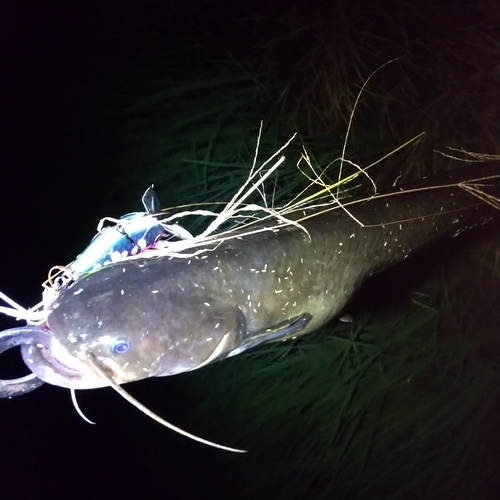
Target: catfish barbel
x=153 y=316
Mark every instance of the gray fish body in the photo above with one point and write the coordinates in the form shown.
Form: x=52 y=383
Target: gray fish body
x=173 y=315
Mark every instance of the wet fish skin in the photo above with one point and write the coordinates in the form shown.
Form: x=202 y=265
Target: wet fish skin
x=176 y=315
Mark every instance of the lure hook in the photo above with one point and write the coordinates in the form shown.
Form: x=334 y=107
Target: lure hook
x=12 y=338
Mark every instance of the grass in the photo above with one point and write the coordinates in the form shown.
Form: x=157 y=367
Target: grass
x=397 y=404
x=402 y=402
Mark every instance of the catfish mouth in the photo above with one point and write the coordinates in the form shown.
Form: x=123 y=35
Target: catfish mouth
x=71 y=371
x=58 y=365
x=51 y=362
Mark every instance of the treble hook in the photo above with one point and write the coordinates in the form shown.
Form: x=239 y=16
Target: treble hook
x=12 y=338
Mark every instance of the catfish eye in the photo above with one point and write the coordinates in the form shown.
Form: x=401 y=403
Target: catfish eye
x=120 y=346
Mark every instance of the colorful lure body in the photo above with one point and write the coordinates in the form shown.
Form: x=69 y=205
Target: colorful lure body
x=132 y=234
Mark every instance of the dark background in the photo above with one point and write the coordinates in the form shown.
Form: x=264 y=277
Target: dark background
x=61 y=65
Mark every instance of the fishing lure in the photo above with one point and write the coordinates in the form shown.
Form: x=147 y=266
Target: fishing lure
x=130 y=235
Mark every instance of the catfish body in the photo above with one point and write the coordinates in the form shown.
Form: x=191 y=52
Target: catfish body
x=157 y=315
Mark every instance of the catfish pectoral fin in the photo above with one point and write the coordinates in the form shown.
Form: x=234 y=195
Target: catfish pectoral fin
x=286 y=330
x=281 y=331
x=12 y=338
